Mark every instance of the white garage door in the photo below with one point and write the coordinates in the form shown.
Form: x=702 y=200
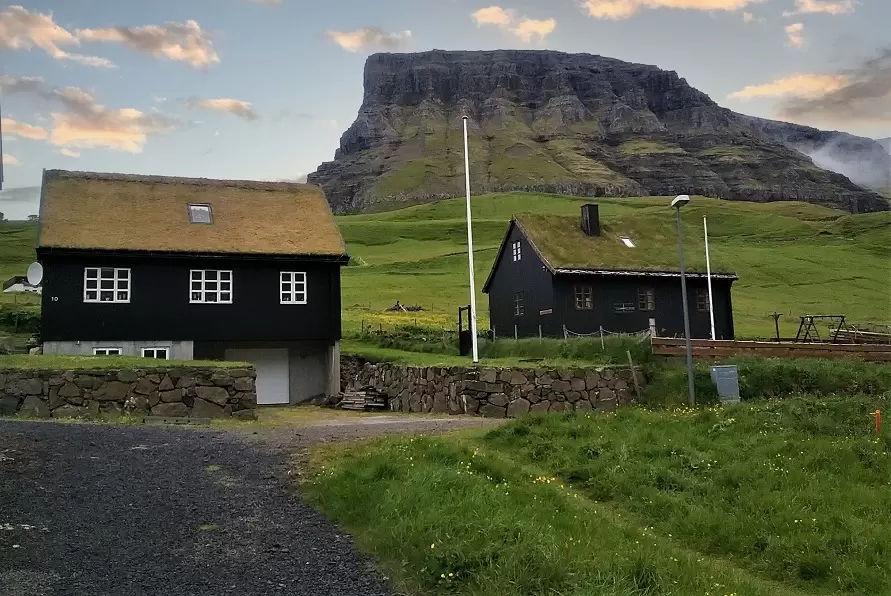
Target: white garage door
x=272 y=372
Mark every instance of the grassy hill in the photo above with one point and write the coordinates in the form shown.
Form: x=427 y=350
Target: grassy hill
x=793 y=258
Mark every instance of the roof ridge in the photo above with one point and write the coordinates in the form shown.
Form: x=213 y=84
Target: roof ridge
x=157 y=179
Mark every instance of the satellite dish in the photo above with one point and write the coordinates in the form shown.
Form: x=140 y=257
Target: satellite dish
x=35 y=274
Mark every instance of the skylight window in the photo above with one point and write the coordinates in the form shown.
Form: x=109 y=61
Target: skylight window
x=200 y=213
x=627 y=241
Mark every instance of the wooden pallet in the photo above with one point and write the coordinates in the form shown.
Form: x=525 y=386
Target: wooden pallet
x=362 y=401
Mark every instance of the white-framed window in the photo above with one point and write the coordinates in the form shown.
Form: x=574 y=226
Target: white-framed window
x=159 y=353
x=106 y=351
x=292 y=287
x=200 y=213
x=210 y=286
x=106 y=284
x=517 y=250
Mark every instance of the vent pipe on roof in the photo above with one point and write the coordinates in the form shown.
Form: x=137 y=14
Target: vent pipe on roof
x=590 y=220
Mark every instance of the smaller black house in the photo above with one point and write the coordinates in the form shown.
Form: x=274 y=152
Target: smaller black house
x=554 y=274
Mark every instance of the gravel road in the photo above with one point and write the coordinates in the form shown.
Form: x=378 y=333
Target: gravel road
x=97 y=509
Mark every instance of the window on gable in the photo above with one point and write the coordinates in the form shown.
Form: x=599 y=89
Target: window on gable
x=519 y=304
x=106 y=351
x=584 y=298
x=517 y=250
x=200 y=213
x=292 y=288
x=702 y=304
x=646 y=299
x=159 y=353
x=106 y=284
x=210 y=286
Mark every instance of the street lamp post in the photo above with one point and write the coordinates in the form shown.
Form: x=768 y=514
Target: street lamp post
x=677 y=203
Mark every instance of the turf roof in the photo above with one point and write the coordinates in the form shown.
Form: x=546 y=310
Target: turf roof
x=563 y=245
x=121 y=212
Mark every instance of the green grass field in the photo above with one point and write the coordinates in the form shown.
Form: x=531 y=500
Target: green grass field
x=793 y=258
x=775 y=497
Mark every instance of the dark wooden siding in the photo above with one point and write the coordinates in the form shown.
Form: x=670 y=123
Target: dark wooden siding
x=159 y=305
x=609 y=292
x=528 y=275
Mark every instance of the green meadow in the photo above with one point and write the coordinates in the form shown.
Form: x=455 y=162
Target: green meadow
x=793 y=258
x=774 y=497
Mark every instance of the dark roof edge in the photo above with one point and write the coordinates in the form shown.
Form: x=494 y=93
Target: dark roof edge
x=71 y=252
x=153 y=179
x=642 y=273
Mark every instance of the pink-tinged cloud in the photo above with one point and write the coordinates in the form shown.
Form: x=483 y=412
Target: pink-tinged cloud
x=833 y=7
x=22 y=130
x=10 y=160
x=795 y=35
x=236 y=107
x=623 y=9
x=368 y=37
x=524 y=28
x=21 y=29
x=181 y=42
x=795 y=85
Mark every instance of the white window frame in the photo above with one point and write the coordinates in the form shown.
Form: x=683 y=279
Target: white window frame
x=108 y=351
x=200 y=206
x=155 y=350
x=200 y=277
x=517 y=251
x=288 y=283
x=121 y=281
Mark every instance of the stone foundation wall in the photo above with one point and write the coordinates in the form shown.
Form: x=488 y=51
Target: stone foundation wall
x=165 y=391
x=492 y=392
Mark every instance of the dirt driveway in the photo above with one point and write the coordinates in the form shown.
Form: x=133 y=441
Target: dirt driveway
x=103 y=509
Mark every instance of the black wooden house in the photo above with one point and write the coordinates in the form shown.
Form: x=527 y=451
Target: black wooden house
x=183 y=268
x=559 y=276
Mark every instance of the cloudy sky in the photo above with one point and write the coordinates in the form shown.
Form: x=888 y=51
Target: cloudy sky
x=263 y=88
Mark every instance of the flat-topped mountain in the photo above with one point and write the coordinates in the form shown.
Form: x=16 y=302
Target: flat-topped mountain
x=577 y=124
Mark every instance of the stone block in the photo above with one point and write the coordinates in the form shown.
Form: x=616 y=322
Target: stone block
x=9 y=405
x=112 y=408
x=245 y=414
x=166 y=384
x=577 y=384
x=241 y=372
x=560 y=406
x=583 y=406
x=561 y=386
x=494 y=388
x=174 y=410
x=145 y=387
x=606 y=405
x=136 y=403
x=498 y=399
x=488 y=375
x=475 y=386
x=28 y=387
x=70 y=411
x=55 y=400
x=540 y=407
x=185 y=382
x=544 y=380
x=440 y=404
x=34 y=407
x=490 y=411
x=205 y=409
x=517 y=408
x=174 y=395
x=472 y=405
x=573 y=396
x=69 y=389
x=221 y=379
x=244 y=384
x=217 y=395
x=113 y=391
x=126 y=376
x=606 y=394
x=517 y=378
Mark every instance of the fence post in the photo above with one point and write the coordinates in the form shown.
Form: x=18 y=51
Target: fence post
x=539 y=332
x=633 y=374
x=653 y=328
x=565 y=333
x=602 y=348
x=515 y=333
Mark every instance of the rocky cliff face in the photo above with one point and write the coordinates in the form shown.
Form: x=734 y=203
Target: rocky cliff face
x=568 y=123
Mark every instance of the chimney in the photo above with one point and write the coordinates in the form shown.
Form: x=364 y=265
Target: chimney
x=590 y=220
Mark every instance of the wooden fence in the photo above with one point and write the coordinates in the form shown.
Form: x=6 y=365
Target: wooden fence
x=705 y=348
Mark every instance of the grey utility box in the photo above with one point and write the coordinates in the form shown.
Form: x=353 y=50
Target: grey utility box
x=726 y=381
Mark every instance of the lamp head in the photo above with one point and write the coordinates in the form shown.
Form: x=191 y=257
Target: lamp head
x=680 y=200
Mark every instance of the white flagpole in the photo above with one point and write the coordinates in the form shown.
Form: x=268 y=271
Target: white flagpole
x=476 y=357
x=708 y=268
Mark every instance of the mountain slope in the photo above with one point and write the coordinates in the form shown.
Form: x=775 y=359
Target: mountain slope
x=567 y=123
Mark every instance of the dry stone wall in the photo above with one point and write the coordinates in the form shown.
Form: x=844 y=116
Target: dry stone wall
x=491 y=392
x=165 y=391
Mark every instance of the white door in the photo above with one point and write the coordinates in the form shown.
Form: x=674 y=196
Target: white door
x=272 y=372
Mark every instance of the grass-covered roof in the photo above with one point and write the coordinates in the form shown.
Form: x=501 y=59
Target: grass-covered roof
x=562 y=243
x=84 y=210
